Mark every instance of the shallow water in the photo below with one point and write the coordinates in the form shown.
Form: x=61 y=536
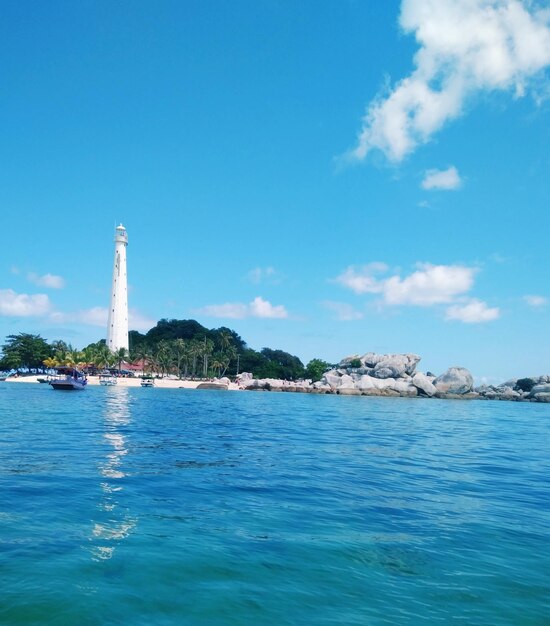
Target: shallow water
x=152 y=506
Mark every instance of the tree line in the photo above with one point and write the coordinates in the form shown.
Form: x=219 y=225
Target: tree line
x=181 y=347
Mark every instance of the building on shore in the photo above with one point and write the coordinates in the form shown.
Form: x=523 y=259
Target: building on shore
x=117 y=325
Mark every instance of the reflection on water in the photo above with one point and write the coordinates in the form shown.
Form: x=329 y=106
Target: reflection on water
x=115 y=521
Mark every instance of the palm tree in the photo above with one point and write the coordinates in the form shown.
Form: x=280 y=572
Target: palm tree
x=50 y=362
x=74 y=358
x=229 y=355
x=217 y=363
x=120 y=355
x=226 y=340
x=228 y=349
x=164 y=356
x=90 y=353
x=61 y=351
x=103 y=357
x=195 y=350
x=207 y=349
x=179 y=348
x=142 y=353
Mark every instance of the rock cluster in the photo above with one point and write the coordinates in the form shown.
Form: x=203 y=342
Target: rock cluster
x=378 y=375
x=395 y=375
x=532 y=389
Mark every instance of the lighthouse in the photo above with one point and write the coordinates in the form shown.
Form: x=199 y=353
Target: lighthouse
x=117 y=325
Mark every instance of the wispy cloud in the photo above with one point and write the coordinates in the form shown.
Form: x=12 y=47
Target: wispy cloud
x=496 y=257
x=472 y=312
x=139 y=321
x=237 y=310
x=51 y=281
x=363 y=279
x=342 y=311
x=97 y=316
x=442 y=179
x=537 y=302
x=465 y=48
x=264 y=274
x=14 y=304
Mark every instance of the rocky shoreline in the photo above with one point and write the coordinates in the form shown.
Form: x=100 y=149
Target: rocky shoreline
x=395 y=375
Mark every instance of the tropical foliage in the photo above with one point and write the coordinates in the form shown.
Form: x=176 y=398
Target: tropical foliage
x=316 y=368
x=183 y=348
x=198 y=351
x=24 y=351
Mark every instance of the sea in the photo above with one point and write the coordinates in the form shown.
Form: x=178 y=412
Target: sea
x=140 y=506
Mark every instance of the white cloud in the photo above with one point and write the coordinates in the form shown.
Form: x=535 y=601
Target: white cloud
x=262 y=308
x=429 y=285
x=97 y=316
x=442 y=179
x=466 y=47
x=342 y=311
x=237 y=310
x=362 y=279
x=231 y=310
x=47 y=280
x=23 y=305
x=138 y=321
x=473 y=312
x=263 y=274
x=537 y=302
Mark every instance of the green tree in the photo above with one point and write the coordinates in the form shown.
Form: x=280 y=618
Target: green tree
x=229 y=355
x=524 y=384
x=316 y=368
x=135 y=340
x=175 y=329
x=281 y=364
x=50 y=362
x=104 y=357
x=24 y=351
x=180 y=352
x=195 y=350
x=164 y=357
x=121 y=355
x=206 y=352
x=217 y=363
x=142 y=353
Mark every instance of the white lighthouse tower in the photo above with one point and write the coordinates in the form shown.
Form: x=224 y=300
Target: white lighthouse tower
x=117 y=326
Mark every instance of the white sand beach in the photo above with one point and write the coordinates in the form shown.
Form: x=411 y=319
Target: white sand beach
x=160 y=383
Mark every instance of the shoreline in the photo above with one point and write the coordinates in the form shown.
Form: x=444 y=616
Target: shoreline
x=160 y=383
x=388 y=388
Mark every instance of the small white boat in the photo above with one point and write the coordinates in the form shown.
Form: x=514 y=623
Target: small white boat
x=148 y=381
x=107 y=379
x=68 y=379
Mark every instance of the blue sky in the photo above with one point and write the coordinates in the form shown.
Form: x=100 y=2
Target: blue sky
x=324 y=177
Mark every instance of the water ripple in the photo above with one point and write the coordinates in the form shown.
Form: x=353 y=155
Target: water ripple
x=131 y=506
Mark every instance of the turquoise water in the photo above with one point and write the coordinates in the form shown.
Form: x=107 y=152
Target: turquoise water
x=151 y=506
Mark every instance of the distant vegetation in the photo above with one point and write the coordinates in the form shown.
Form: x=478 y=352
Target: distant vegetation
x=181 y=347
x=525 y=384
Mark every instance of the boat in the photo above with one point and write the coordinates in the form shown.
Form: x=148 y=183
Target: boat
x=107 y=379
x=147 y=381
x=2 y=378
x=68 y=379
